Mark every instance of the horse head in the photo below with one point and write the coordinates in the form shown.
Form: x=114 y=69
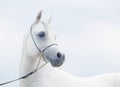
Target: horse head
x=42 y=41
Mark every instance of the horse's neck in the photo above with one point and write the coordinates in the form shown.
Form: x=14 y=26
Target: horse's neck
x=28 y=64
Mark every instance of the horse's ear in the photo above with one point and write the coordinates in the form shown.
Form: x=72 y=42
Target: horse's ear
x=38 y=17
x=50 y=19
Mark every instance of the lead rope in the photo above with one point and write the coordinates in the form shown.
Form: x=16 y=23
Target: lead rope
x=27 y=75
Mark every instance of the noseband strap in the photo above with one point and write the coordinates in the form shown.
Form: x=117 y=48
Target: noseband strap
x=48 y=47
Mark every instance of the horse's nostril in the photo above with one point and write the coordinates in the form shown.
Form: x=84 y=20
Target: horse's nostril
x=59 y=55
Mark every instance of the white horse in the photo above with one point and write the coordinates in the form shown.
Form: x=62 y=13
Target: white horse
x=40 y=47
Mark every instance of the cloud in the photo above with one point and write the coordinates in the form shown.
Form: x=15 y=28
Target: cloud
x=97 y=46
x=78 y=3
x=100 y=34
x=10 y=48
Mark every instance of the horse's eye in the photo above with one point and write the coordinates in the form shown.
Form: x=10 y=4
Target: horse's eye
x=41 y=34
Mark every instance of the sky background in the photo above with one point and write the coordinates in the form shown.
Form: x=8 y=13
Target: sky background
x=88 y=31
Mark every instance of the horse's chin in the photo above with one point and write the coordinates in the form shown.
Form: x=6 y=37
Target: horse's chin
x=56 y=63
